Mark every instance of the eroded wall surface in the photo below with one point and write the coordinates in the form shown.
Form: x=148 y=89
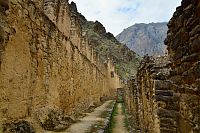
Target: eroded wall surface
x=183 y=43
x=158 y=104
x=167 y=88
x=48 y=71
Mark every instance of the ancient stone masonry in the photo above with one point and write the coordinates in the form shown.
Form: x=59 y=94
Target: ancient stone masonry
x=183 y=43
x=167 y=89
x=158 y=104
x=153 y=100
x=48 y=71
x=131 y=101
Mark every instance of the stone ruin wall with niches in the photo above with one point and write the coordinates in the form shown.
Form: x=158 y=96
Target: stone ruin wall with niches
x=47 y=67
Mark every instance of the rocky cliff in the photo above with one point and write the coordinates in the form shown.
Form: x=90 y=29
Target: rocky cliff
x=145 y=38
x=125 y=60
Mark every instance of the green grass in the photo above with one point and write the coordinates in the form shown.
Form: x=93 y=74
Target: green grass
x=114 y=113
x=120 y=99
x=112 y=121
x=126 y=122
x=123 y=109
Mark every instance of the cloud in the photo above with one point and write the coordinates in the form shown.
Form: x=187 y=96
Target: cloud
x=116 y=15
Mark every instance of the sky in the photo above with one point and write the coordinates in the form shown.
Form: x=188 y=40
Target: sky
x=117 y=15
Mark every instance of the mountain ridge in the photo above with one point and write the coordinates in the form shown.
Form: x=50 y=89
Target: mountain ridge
x=145 y=38
x=107 y=46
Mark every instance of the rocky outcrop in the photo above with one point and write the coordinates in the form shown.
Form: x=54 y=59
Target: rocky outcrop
x=167 y=88
x=48 y=72
x=145 y=38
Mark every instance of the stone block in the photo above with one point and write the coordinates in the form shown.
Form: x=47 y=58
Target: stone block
x=159 y=76
x=176 y=79
x=163 y=113
x=195 y=31
x=166 y=98
x=164 y=92
x=192 y=23
x=188 y=11
x=191 y=58
x=182 y=68
x=189 y=77
x=168 y=131
x=180 y=52
x=173 y=105
x=162 y=85
x=167 y=122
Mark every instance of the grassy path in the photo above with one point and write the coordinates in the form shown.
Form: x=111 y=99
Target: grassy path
x=119 y=119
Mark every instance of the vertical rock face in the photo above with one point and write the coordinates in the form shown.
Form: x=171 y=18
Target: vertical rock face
x=48 y=71
x=167 y=91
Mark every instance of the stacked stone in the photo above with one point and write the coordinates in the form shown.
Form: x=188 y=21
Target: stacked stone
x=143 y=80
x=144 y=89
x=131 y=101
x=158 y=104
x=183 y=43
x=168 y=91
x=166 y=100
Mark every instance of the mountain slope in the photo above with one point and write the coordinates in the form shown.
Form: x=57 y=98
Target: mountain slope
x=125 y=60
x=145 y=38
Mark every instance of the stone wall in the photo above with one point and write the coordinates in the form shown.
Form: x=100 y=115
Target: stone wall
x=48 y=71
x=132 y=105
x=158 y=103
x=153 y=102
x=183 y=43
x=167 y=88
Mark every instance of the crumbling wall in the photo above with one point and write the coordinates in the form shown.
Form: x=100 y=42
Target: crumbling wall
x=158 y=103
x=155 y=104
x=132 y=105
x=183 y=43
x=168 y=87
x=48 y=72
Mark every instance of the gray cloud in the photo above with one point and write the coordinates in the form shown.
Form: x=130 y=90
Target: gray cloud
x=119 y=14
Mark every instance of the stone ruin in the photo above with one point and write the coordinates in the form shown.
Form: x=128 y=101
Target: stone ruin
x=165 y=93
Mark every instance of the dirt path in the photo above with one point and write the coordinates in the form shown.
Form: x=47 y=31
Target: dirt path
x=88 y=121
x=119 y=119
